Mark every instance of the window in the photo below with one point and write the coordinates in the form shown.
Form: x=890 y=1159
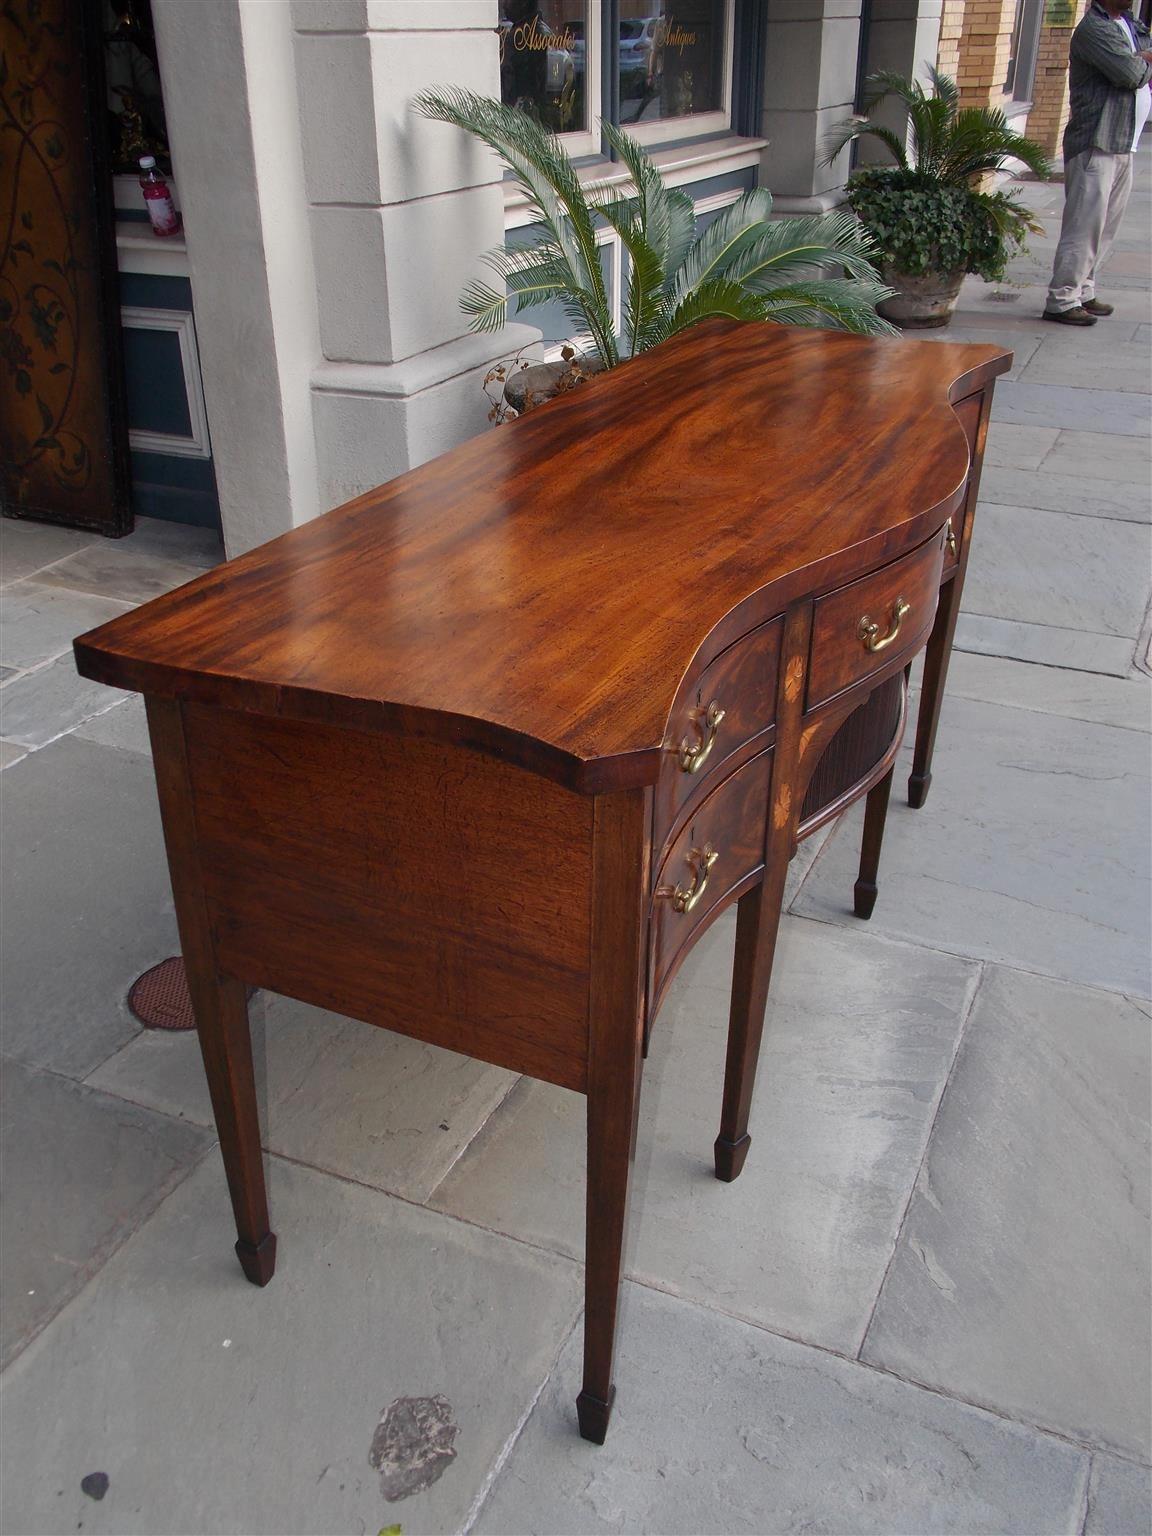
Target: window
x=668 y=76
x=1022 y=55
x=673 y=67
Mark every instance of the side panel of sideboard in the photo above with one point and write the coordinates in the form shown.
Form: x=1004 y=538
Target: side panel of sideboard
x=426 y=888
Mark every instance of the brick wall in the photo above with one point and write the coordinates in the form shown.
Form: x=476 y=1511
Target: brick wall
x=975 y=46
x=984 y=51
x=951 y=29
x=1050 y=92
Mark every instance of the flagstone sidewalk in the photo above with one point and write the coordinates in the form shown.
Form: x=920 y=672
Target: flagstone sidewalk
x=923 y=1308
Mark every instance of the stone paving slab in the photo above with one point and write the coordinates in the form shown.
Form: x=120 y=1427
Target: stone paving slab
x=1119 y=1499
x=859 y=1041
x=1084 y=456
x=1061 y=360
x=1023 y=347
x=1027 y=851
x=719 y=1426
x=1018 y=447
x=339 y=1095
x=28 y=547
x=202 y=547
x=212 y=1405
x=1110 y=412
x=86 y=899
x=1044 y=644
x=80 y=1171
x=1020 y=564
x=124 y=726
x=1052 y=690
x=1021 y=1277
x=1129 y=502
x=130 y=574
x=38 y=622
x=39 y=706
x=11 y=752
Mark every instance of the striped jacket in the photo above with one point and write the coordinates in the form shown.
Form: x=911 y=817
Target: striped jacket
x=1103 y=78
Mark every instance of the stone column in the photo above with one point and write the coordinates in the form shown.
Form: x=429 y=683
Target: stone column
x=809 y=86
x=400 y=210
x=230 y=99
x=904 y=36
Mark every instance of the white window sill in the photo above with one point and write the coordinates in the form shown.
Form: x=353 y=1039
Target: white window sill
x=679 y=166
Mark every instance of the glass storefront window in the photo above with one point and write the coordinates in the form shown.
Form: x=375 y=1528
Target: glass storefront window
x=671 y=59
x=543 y=58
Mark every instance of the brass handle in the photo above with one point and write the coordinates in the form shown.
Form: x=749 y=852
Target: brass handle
x=693 y=755
x=950 y=540
x=869 y=630
x=700 y=862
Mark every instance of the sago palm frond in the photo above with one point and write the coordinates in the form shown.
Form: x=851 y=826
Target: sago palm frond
x=551 y=184
x=828 y=301
x=853 y=128
x=742 y=265
x=946 y=143
x=789 y=248
x=729 y=235
x=714 y=296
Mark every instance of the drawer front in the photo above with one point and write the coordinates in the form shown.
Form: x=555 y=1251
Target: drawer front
x=968 y=414
x=733 y=700
x=879 y=619
x=719 y=847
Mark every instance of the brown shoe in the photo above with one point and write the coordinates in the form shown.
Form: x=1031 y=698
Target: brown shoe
x=1078 y=315
x=1098 y=307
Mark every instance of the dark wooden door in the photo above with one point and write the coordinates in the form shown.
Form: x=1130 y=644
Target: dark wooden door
x=63 y=438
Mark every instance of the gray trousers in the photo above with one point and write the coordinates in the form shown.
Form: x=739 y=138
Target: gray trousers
x=1096 y=188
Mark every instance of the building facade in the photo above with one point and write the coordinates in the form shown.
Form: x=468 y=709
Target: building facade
x=330 y=229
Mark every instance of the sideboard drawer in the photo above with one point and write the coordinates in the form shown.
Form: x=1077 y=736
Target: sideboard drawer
x=732 y=701
x=720 y=847
x=864 y=627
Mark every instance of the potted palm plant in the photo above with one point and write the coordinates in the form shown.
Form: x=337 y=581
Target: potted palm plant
x=932 y=214
x=799 y=271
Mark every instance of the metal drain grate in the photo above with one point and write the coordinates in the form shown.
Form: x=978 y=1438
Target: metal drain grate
x=160 y=999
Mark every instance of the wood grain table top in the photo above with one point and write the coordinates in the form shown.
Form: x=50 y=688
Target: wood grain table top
x=540 y=591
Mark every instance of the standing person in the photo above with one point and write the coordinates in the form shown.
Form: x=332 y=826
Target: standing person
x=1109 y=71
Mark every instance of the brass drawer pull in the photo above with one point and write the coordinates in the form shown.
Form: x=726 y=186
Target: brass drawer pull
x=869 y=630
x=693 y=755
x=950 y=540
x=700 y=862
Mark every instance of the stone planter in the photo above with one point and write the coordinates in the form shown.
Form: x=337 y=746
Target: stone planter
x=527 y=387
x=923 y=302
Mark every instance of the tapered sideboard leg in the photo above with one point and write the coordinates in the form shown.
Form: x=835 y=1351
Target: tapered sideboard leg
x=610 y=1145
x=615 y=1034
x=757 y=922
x=936 y=658
x=875 y=815
x=220 y=1003
x=221 y=1008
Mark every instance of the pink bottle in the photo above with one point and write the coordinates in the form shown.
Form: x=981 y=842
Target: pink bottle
x=161 y=208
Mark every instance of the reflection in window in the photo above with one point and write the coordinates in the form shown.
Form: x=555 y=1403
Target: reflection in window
x=671 y=58
x=542 y=46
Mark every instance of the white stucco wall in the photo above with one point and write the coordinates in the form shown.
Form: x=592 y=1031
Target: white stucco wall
x=330 y=231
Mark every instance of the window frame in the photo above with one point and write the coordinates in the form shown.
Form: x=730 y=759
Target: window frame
x=697 y=125
x=602 y=96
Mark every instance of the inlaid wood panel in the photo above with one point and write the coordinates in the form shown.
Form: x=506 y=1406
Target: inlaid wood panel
x=429 y=889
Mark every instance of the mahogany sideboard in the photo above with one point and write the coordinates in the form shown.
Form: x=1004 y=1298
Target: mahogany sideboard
x=479 y=755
